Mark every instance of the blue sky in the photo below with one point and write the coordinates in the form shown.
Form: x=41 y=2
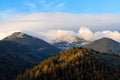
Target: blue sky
x=69 y=6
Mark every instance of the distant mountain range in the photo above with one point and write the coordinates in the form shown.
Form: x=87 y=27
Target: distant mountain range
x=20 y=51
x=66 y=42
x=105 y=45
x=76 y=64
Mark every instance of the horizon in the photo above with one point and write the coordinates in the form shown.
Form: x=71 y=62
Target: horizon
x=69 y=36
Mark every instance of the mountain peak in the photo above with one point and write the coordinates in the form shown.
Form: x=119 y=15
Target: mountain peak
x=66 y=42
x=17 y=35
x=32 y=42
x=106 y=39
x=105 y=45
x=22 y=51
x=23 y=38
x=68 y=39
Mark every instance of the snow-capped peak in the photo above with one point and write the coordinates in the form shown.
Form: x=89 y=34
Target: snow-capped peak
x=68 y=39
x=66 y=42
x=19 y=34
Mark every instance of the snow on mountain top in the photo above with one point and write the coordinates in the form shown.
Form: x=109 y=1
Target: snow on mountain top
x=19 y=34
x=69 y=39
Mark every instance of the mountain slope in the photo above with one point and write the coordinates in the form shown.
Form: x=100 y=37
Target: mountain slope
x=21 y=51
x=14 y=59
x=35 y=44
x=104 y=45
x=76 y=64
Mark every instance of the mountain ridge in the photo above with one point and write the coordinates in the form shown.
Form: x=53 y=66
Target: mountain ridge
x=104 y=45
x=79 y=63
x=66 y=42
x=20 y=51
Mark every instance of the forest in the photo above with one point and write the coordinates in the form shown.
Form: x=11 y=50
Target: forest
x=76 y=64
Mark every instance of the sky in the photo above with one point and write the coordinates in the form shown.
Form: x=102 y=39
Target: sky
x=70 y=6
x=44 y=16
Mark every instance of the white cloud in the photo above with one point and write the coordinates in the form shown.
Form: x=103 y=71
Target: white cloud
x=68 y=35
x=52 y=5
x=115 y=35
x=104 y=25
x=86 y=33
x=55 y=34
x=83 y=32
x=56 y=20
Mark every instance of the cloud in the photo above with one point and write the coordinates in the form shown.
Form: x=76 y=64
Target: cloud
x=69 y=35
x=83 y=32
x=63 y=35
x=87 y=34
x=102 y=25
x=56 y=20
x=115 y=35
x=52 y=5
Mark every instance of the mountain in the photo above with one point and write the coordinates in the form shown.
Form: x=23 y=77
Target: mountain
x=14 y=59
x=66 y=42
x=33 y=43
x=76 y=64
x=20 y=51
x=104 y=45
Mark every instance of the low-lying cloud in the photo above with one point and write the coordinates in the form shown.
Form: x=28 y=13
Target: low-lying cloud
x=83 y=32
